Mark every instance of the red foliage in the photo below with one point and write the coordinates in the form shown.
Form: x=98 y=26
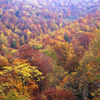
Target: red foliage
x=0 y=97
x=72 y=64
x=36 y=58
x=56 y=94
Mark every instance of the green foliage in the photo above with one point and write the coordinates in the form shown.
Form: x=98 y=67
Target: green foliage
x=37 y=46
x=13 y=43
x=66 y=38
x=50 y=52
x=58 y=73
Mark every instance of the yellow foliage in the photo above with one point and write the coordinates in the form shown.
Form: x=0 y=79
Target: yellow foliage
x=20 y=74
x=13 y=51
x=3 y=40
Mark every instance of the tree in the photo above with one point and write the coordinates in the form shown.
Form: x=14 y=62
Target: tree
x=3 y=62
x=87 y=74
x=66 y=38
x=37 y=46
x=4 y=49
x=28 y=35
x=13 y=43
x=55 y=76
x=3 y=40
x=36 y=58
x=21 y=76
x=56 y=94
x=50 y=52
x=72 y=64
x=64 y=52
x=22 y=40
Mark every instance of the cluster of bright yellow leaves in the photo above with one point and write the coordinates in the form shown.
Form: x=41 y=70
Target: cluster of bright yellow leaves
x=20 y=75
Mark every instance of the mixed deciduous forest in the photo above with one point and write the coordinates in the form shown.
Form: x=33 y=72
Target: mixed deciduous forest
x=49 y=50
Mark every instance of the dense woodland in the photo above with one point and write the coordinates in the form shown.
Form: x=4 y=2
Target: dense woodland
x=50 y=50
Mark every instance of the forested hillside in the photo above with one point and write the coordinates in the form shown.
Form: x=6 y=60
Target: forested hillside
x=50 y=50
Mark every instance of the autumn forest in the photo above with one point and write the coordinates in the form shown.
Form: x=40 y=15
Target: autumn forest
x=49 y=50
